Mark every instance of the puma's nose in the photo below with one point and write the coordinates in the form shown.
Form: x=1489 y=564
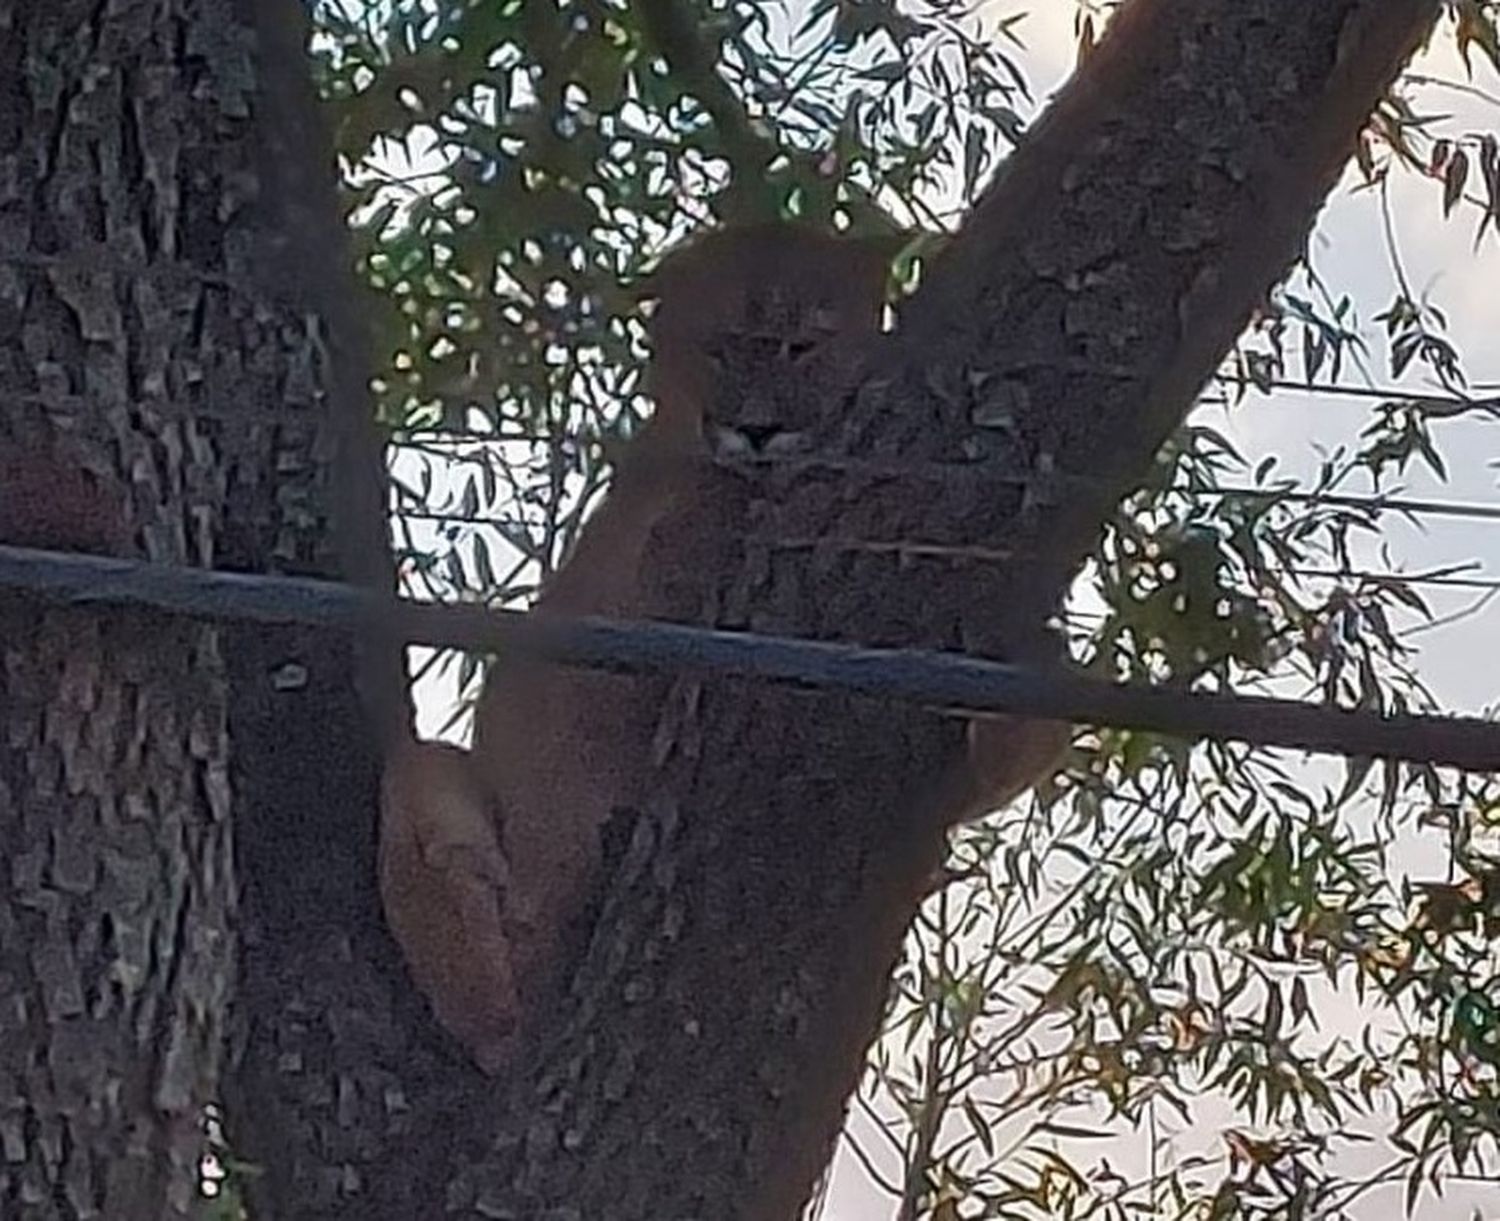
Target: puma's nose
x=759 y=435
x=753 y=442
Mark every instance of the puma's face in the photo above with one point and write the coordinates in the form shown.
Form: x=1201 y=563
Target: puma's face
x=774 y=366
x=758 y=331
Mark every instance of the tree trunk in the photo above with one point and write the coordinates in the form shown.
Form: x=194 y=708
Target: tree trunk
x=116 y=893
x=163 y=359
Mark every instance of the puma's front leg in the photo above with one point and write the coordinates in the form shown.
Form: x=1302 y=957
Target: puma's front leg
x=445 y=882
x=1006 y=756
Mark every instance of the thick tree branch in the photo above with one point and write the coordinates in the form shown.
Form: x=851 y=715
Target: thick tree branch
x=1091 y=333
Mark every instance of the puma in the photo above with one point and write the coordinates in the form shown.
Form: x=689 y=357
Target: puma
x=487 y=856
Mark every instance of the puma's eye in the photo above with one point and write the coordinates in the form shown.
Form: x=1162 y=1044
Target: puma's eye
x=796 y=349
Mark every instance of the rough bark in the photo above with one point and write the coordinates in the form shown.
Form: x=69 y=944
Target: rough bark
x=155 y=332
x=314 y=1085
x=116 y=894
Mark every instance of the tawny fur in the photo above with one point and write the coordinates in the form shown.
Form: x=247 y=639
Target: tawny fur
x=446 y=888
x=752 y=325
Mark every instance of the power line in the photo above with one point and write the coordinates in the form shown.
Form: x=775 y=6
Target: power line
x=1490 y=404
x=1395 y=578
x=1374 y=501
x=917 y=549
x=943 y=682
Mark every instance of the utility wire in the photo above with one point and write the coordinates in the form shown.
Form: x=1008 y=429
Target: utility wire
x=1390 y=394
x=1374 y=501
x=942 y=682
x=983 y=555
x=1395 y=578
